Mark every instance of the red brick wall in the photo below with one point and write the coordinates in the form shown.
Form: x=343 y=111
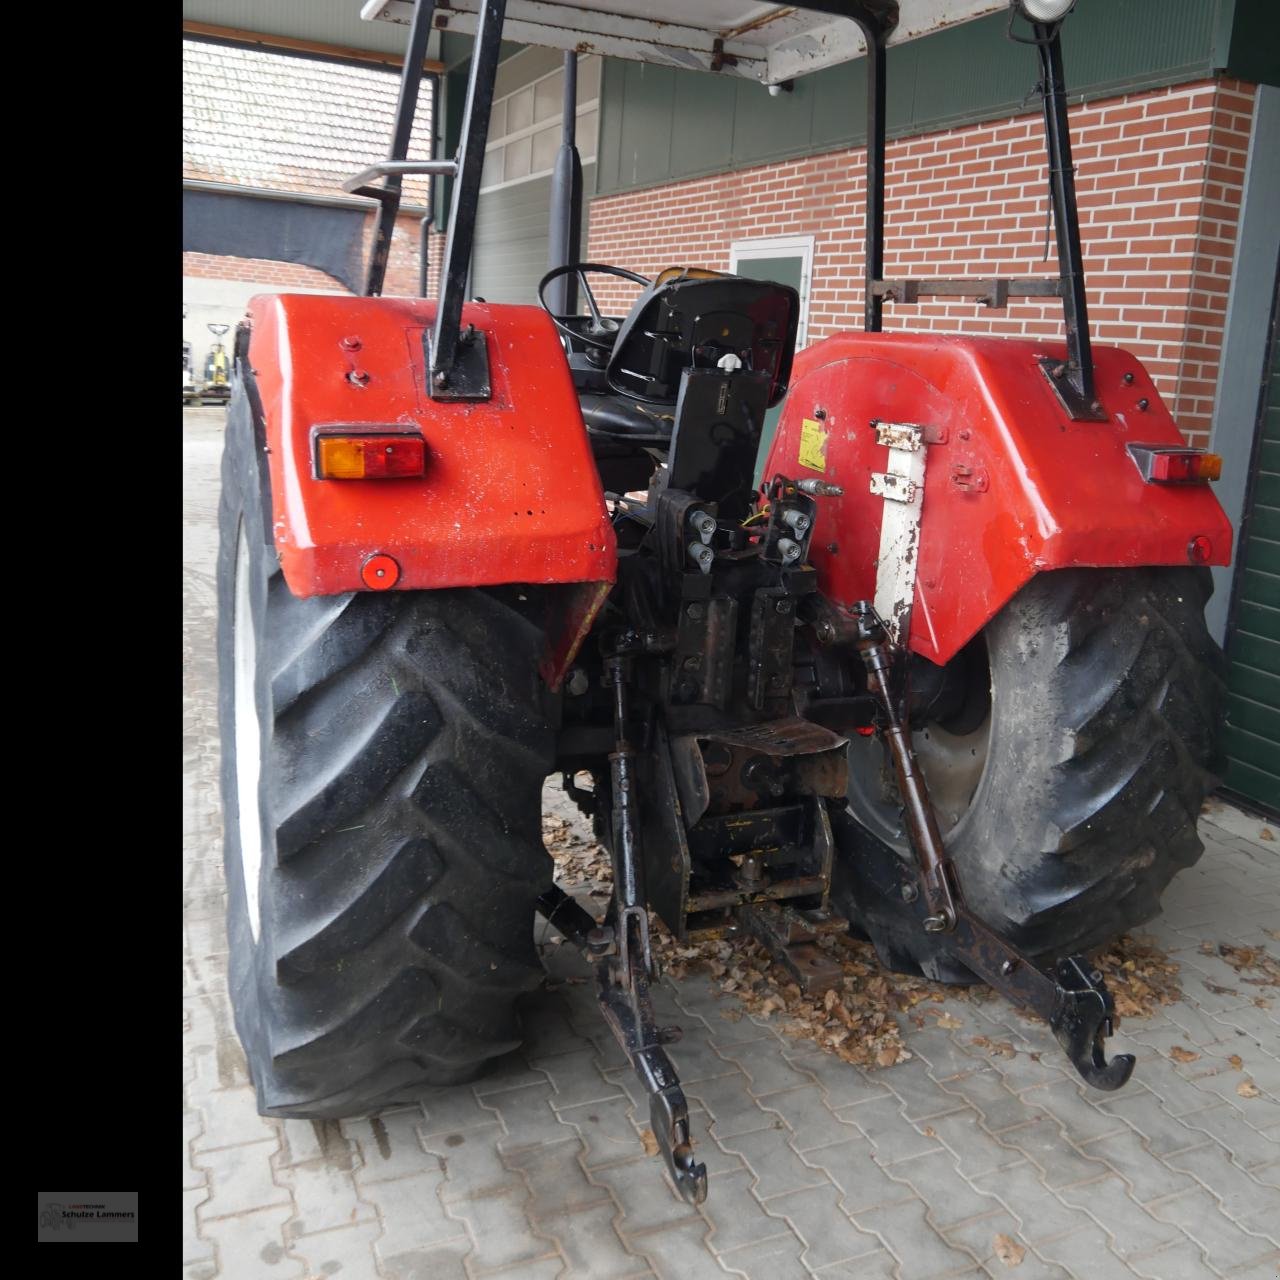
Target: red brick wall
x=402 y=264
x=1159 y=179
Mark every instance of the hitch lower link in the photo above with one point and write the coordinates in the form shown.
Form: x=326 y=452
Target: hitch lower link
x=1073 y=999
x=619 y=948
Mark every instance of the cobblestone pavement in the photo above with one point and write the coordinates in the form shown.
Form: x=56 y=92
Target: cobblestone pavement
x=817 y=1168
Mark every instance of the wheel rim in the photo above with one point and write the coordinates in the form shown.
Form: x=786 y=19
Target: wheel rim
x=248 y=733
x=952 y=764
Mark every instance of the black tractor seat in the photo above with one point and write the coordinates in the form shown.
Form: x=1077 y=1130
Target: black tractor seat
x=622 y=418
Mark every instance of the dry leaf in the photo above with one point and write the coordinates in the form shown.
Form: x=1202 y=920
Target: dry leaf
x=950 y=1023
x=929 y=1131
x=1247 y=1089
x=1179 y=1054
x=1008 y=1250
x=1266 y=834
x=887 y=1057
x=1236 y=1061
x=650 y=1142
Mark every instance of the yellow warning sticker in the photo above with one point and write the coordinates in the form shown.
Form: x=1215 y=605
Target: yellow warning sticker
x=813 y=445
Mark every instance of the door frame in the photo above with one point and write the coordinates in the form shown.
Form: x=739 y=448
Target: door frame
x=782 y=247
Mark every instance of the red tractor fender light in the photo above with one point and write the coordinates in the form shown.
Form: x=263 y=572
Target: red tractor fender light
x=380 y=573
x=349 y=455
x=1175 y=464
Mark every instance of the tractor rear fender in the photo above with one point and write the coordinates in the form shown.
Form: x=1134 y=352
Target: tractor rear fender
x=510 y=492
x=1012 y=484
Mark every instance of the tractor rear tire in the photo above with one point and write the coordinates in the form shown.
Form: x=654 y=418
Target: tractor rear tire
x=1098 y=747
x=383 y=755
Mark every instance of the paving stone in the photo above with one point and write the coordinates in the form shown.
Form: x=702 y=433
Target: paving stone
x=949 y=1197
x=947 y=1053
x=735 y=1216
x=1041 y=1215
x=412 y=1214
x=548 y=1030
x=1240 y=1195
x=1264 y=1269
x=1227 y=1245
x=817 y=1219
x=576 y=1079
x=252 y=1244
x=556 y=1179
x=192 y=1128
x=324 y=1197
x=590 y=1245
x=496 y=1219
x=1073 y=1109
x=881 y=1265
x=439 y=1262
x=1182 y=1260
x=470 y=1166
x=812 y=1123
x=240 y=1181
x=1162 y=1132
x=388 y=1146
x=841 y=1082
x=863 y=1184
x=1042 y=1141
x=1132 y=1230
x=978 y=1237
x=456 y=1111
x=605 y=1130
x=766 y=1072
x=344 y=1254
x=774 y=1163
x=646 y=1200
x=733 y=1110
x=679 y=1251
x=528 y=1119
x=1149 y=1178
x=919 y=1095
x=976 y=1151
x=777 y=1259
x=195 y=1248
x=230 y=1118
x=985 y=1090
x=922 y=1251
x=1085 y=1252
x=888 y=1131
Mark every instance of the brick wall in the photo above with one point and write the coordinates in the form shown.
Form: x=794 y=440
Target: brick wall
x=402 y=264
x=1159 y=180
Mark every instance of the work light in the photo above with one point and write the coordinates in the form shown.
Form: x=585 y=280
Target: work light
x=1046 y=11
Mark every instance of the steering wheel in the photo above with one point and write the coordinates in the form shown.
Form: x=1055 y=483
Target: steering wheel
x=594 y=334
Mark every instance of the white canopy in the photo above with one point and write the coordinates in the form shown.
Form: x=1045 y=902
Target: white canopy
x=766 y=42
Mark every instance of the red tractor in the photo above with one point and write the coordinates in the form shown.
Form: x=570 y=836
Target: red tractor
x=942 y=678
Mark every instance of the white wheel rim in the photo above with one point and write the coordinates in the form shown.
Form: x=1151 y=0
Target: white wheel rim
x=248 y=734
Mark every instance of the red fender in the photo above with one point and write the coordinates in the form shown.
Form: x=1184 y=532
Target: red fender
x=1012 y=485
x=510 y=494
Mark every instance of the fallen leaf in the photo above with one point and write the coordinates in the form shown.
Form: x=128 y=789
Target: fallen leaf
x=1008 y=1250
x=950 y=1023
x=929 y=1131
x=1220 y=991
x=1179 y=1054
x=1267 y=834
x=886 y=1057
x=1247 y=1089
x=1236 y=1061
x=650 y=1142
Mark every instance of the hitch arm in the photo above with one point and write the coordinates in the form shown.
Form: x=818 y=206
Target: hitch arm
x=1073 y=999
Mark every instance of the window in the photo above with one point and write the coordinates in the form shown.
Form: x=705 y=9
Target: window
x=524 y=129
x=782 y=259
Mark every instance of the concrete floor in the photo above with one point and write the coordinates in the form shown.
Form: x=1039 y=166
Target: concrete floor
x=954 y=1163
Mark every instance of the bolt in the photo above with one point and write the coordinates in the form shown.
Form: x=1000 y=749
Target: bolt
x=1096 y=406
x=910 y=893
x=819 y=412
x=783 y=606
x=695 y=611
x=1008 y=967
x=577 y=683
x=832 y=548
x=440 y=379
x=1143 y=404
x=936 y=924
x=1058 y=371
x=1128 y=379
x=350 y=344
x=964 y=435
x=358 y=378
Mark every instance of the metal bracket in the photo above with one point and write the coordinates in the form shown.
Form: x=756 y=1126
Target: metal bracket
x=1066 y=386
x=791 y=936
x=468 y=378
x=902 y=487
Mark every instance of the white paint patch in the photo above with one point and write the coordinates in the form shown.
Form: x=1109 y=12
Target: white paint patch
x=248 y=734
x=901 y=486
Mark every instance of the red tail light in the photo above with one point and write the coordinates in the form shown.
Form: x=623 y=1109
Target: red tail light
x=369 y=456
x=1175 y=464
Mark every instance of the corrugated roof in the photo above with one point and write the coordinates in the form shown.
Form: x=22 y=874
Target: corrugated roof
x=286 y=123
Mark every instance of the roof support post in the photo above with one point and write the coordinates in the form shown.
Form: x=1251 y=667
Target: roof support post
x=873 y=301
x=566 y=200
x=406 y=108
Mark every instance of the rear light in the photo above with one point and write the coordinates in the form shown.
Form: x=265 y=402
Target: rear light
x=1175 y=464
x=370 y=456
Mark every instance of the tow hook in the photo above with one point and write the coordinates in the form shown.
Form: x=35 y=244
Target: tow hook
x=1073 y=998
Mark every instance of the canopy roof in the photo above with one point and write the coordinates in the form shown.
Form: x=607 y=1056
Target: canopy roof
x=766 y=42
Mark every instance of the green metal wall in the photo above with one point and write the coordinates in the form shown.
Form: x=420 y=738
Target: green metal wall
x=1252 y=735
x=659 y=125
